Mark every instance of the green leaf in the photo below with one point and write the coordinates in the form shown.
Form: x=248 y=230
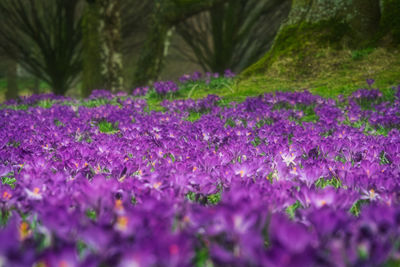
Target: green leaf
x=214 y=198
x=4 y=216
x=334 y=181
x=356 y=208
x=9 y=180
x=292 y=209
x=91 y=214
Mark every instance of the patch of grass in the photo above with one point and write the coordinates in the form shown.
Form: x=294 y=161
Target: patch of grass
x=332 y=74
x=108 y=127
x=360 y=54
x=194 y=116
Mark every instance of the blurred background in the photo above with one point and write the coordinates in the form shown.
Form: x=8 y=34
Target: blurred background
x=71 y=47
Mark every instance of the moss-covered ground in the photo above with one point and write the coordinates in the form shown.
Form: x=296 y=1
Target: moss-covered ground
x=329 y=73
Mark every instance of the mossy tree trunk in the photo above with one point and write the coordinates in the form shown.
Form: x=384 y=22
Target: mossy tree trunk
x=338 y=24
x=12 y=86
x=102 y=57
x=110 y=44
x=166 y=14
x=91 y=74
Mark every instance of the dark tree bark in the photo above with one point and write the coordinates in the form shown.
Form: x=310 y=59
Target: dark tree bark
x=91 y=59
x=12 y=85
x=110 y=44
x=110 y=29
x=44 y=37
x=166 y=14
x=240 y=32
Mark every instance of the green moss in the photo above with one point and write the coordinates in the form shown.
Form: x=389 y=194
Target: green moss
x=297 y=40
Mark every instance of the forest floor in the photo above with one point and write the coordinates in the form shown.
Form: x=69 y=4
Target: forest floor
x=328 y=73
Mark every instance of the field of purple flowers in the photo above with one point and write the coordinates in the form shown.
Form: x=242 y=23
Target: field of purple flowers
x=284 y=179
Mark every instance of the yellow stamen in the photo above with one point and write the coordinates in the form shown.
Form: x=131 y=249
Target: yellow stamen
x=24 y=231
x=122 y=222
x=372 y=193
x=157 y=185
x=118 y=205
x=36 y=190
x=6 y=195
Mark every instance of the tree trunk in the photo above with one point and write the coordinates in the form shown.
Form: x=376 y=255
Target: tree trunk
x=91 y=74
x=166 y=14
x=110 y=44
x=150 y=61
x=12 y=86
x=314 y=24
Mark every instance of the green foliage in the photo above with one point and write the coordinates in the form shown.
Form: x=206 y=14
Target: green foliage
x=256 y=142
x=91 y=214
x=361 y=53
x=46 y=103
x=265 y=121
x=133 y=200
x=356 y=208
x=108 y=127
x=292 y=209
x=202 y=257
x=4 y=216
x=58 y=123
x=211 y=199
x=9 y=180
x=194 y=116
x=191 y=196
x=383 y=159
x=214 y=198
x=334 y=181
x=230 y=122
x=14 y=143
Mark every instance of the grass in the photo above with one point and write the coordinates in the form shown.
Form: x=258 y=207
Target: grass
x=328 y=73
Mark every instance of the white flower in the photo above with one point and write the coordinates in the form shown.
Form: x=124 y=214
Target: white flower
x=289 y=159
x=371 y=195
